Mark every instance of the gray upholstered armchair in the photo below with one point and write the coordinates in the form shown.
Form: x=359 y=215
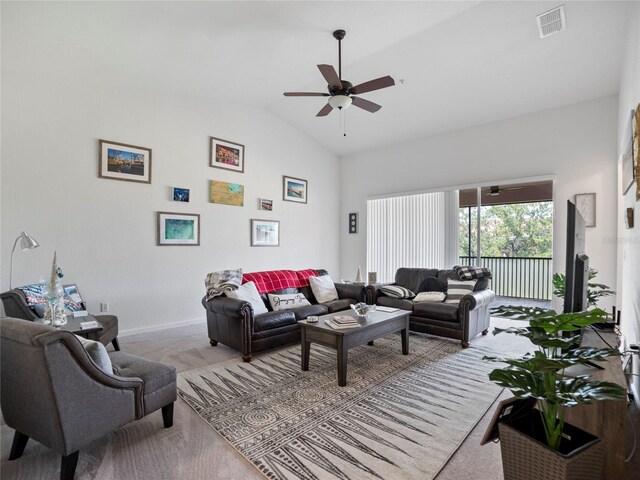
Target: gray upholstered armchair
x=15 y=305
x=56 y=393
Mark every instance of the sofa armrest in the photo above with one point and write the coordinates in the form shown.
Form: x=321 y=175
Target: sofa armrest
x=351 y=290
x=478 y=299
x=229 y=307
x=372 y=292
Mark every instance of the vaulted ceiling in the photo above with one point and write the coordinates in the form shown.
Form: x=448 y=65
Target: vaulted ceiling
x=463 y=63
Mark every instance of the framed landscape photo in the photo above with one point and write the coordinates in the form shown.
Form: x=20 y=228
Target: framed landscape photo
x=628 y=173
x=178 y=228
x=120 y=161
x=227 y=155
x=226 y=193
x=180 y=194
x=265 y=233
x=294 y=189
x=635 y=139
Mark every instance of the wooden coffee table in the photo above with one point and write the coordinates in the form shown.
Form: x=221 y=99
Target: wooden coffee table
x=376 y=325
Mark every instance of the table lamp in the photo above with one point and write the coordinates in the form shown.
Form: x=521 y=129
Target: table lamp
x=27 y=242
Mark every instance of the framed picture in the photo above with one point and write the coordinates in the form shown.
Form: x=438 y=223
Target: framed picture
x=353 y=222
x=226 y=193
x=586 y=205
x=120 y=161
x=294 y=189
x=73 y=293
x=180 y=194
x=635 y=139
x=265 y=204
x=226 y=154
x=265 y=233
x=628 y=173
x=178 y=228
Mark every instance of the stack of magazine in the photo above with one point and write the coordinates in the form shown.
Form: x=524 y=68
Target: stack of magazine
x=340 y=322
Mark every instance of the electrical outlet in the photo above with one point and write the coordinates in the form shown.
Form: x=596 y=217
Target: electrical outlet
x=104 y=306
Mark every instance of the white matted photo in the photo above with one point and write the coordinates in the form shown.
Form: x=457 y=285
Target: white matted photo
x=119 y=161
x=294 y=189
x=178 y=228
x=265 y=233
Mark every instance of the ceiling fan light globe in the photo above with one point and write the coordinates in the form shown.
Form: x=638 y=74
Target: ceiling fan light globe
x=340 y=102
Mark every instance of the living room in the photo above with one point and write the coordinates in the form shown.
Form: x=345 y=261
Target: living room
x=168 y=77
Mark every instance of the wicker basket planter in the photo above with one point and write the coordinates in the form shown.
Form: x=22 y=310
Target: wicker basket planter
x=525 y=455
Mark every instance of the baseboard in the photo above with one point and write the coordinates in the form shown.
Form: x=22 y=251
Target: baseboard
x=164 y=326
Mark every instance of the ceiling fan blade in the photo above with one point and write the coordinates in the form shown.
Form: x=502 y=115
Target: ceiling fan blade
x=324 y=111
x=305 y=94
x=366 y=104
x=330 y=75
x=371 y=85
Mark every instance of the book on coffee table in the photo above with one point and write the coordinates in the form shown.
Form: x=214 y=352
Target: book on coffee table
x=339 y=326
x=344 y=320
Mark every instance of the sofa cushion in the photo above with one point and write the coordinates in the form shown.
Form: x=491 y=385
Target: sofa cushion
x=249 y=293
x=456 y=289
x=396 y=291
x=469 y=272
x=269 y=320
x=402 y=303
x=436 y=311
x=287 y=301
x=323 y=288
x=432 y=284
x=411 y=278
x=429 y=297
x=339 y=304
x=303 y=312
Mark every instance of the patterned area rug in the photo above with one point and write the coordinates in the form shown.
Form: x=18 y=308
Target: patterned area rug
x=399 y=417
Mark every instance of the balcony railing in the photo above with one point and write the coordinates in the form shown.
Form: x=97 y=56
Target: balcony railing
x=522 y=277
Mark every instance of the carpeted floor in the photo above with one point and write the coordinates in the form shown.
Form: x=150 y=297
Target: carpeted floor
x=191 y=450
x=301 y=425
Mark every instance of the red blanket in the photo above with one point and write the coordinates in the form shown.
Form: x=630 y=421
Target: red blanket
x=274 y=280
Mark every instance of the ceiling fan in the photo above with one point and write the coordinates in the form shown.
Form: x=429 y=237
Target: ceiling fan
x=495 y=190
x=341 y=92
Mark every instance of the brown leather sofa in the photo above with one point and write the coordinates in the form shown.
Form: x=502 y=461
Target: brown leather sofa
x=233 y=323
x=462 y=321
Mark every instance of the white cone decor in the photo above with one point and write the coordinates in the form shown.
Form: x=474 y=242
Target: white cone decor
x=359 y=276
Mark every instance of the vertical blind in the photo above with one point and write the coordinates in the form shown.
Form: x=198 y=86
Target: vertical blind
x=412 y=231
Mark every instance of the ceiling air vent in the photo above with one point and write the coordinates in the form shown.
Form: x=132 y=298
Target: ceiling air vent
x=551 y=22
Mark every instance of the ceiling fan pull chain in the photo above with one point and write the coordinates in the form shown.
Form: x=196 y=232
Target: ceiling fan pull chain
x=344 y=123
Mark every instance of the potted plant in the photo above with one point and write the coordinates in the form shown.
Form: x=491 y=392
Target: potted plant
x=543 y=440
x=595 y=291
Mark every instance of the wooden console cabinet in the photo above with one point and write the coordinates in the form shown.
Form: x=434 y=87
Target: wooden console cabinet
x=606 y=419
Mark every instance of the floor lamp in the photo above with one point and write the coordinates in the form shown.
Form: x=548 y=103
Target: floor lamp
x=27 y=242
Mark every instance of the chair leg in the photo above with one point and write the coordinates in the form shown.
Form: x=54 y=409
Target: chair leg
x=213 y=342
x=464 y=344
x=485 y=331
x=17 y=447
x=167 y=415
x=246 y=357
x=68 y=467
x=115 y=344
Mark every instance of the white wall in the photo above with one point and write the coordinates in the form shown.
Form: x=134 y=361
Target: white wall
x=575 y=144
x=629 y=239
x=105 y=230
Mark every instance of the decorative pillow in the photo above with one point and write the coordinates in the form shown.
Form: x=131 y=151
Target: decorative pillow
x=457 y=289
x=98 y=354
x=472 y=273
x=221 y=282
x=323 y=288
x=287 y=301
x=396 y=291
x=249 y=293
x=429 y=297
x=431 y=284
x=38 y=302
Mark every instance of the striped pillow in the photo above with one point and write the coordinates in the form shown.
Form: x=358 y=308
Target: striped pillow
x=457 y=289
x=396 y=291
